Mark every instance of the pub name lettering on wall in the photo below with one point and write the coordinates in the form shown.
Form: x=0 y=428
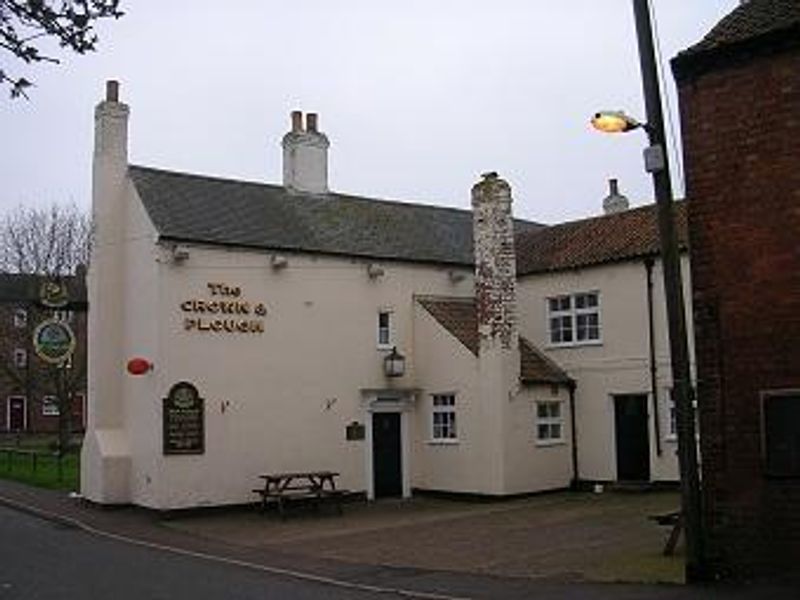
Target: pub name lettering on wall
x=226 y=311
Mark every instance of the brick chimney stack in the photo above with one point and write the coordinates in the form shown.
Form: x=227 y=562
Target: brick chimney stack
x=305 y=156
x=496 y=303
x=495 y=262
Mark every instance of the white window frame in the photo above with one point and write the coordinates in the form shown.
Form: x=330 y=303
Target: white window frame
x=571 y=315
x=444 y=418
x=20 y=318
x=549 y=421
x=20 y=358
x=384 y=342
x=24 y=399
x=672 y=416
x=50 y=406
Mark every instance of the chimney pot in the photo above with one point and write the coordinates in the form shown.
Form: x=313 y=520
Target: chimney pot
x=297 y=121
x=311 y=122
x=112 y=90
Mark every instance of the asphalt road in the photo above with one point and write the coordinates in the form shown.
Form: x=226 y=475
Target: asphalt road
x=40 y=560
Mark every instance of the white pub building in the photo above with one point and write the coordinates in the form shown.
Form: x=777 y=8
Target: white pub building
x=239 y=328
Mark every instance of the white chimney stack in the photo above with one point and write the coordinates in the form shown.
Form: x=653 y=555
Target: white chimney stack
x=305 y=156
x=614 y=202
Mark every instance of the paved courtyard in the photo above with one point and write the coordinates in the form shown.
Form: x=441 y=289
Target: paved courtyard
x=563 y=537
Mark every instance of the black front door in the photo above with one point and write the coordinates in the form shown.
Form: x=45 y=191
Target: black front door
x=633 y=440
x=387 y=465
x=16 y=414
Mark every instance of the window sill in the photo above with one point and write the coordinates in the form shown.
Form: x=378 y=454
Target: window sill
x=559 y=346
x=385 y=347
x=443 y=442
x=671 y=438
x=547 y=443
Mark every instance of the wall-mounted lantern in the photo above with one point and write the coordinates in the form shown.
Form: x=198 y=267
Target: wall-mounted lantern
x=394 y=365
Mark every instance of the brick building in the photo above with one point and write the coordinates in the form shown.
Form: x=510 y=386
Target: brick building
x=27 y=389
x=740 y=108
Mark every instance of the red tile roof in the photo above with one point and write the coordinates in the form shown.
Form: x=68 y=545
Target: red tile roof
x=608 y=238
x=459 y=317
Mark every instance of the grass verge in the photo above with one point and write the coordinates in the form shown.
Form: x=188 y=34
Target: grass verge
x=43 y=471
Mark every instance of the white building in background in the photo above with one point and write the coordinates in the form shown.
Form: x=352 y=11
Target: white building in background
x=535 y=356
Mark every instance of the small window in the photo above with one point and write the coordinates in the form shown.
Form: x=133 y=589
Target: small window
x=384 y=329
x=444 y=417
x=50 y=406
x=549 y=422
x=781 y=433
x=574 y=318
x=20 y=318
x=20 y=358
x=672 y=414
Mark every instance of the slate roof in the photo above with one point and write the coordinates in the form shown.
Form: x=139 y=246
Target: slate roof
x=609 y=238
x=196 y=208
x=20 y=287
x=750 y=23
x=459 y=317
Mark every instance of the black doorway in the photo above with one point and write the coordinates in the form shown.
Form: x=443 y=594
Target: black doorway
x=387 y=467
x=633 y=440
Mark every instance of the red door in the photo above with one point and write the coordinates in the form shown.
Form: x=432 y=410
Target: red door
x=16 y=414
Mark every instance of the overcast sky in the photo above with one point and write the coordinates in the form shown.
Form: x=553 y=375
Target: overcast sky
x=418 y=97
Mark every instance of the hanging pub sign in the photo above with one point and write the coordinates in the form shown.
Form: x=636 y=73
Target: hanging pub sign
x=54 y=293
x=53 y=341
x=184 y=420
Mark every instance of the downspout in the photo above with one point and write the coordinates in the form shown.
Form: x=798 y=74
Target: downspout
x=648 y=265
x=573 y=432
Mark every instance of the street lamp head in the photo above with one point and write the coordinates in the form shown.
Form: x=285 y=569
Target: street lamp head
x=614 y=121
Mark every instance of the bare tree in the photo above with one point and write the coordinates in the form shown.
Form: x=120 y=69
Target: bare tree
x=50 y=241
x=24 y=24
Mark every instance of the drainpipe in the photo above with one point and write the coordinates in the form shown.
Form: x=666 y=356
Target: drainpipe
x=648 y=265
x=573 y=432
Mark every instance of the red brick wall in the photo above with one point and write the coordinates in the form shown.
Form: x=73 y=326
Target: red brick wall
x=35 y=381
x=741 y=128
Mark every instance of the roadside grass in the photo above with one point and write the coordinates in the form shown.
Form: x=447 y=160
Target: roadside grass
x=32 y=460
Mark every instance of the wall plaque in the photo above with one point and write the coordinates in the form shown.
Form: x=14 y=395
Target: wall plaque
x=355 y=431
x=184 y=420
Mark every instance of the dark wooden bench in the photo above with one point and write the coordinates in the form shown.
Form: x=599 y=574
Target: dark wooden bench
x=673 y=519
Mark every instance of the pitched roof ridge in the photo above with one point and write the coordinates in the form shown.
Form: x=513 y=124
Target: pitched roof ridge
x=617 y=215
x=206 y=177
x=336 y=195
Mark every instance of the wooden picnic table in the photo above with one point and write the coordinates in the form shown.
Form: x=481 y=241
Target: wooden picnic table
x=316 y=486
x=673 y=519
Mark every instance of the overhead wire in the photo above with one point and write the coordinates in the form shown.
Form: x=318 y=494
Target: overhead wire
x=672 y=143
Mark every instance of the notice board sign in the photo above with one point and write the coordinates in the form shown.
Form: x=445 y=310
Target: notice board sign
x=184 y=420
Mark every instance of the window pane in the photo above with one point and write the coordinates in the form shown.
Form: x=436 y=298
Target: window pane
x=782 y=435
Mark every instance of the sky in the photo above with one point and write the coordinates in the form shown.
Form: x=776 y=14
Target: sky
x=418 y=97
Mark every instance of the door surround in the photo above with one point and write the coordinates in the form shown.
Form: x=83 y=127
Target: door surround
x=395 y=401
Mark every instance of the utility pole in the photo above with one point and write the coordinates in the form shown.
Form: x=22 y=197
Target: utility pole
x=657 y=163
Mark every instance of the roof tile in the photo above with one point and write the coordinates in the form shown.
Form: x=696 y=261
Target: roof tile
x=459 y=317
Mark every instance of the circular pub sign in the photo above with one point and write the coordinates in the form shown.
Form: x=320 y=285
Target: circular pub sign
x=53 y=341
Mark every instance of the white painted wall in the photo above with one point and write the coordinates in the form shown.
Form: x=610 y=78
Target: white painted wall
x=620 y=364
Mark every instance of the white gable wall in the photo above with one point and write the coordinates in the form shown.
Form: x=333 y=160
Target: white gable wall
x=619 y=364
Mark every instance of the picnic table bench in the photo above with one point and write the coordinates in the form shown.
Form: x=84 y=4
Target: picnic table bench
x=314 y=486
x=674 y=519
